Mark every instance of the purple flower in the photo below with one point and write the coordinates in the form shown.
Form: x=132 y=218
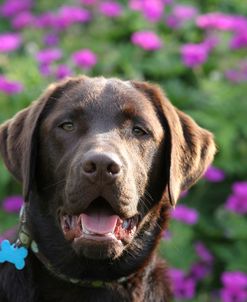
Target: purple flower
x=234 y=287
x=51 y=39
x=239 y=40
x=203 y=253
x=199 y=271
x=214 y=174
x=234 y=279
x=12 y=204
x=68 y=15
x=22 y=20
x=239 y=74
x=237 y=201
x=11 y=8
x=240 y=188
x=210 y=42
x=10 y=87
x=184 y=214
x=9 y=42
x=183 y=286
x=217 y=20
x=153 y=10
x=235 y=76
x=45 y=20
x=63 y=71
x=84 y=58
x=180 y=14
x=147 y=40
x=232 y=294
x=194 y=54
x=45 y=70
x=48 y=55
x=135 y=4
x=236 y=204
x=110 y=9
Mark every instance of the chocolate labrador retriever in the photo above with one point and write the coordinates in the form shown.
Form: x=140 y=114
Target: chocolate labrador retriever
x=101 y=162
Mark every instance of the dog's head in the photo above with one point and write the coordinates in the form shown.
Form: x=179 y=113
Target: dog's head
x=100 y=160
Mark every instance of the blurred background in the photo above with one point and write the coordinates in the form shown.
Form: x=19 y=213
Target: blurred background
x=197 y=51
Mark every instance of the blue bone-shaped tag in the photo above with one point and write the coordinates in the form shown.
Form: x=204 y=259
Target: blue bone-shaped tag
x=12 y=254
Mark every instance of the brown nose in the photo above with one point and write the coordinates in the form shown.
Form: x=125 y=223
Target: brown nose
x=101 y=167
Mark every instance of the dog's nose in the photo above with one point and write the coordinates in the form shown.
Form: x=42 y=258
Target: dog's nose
x=101 y=167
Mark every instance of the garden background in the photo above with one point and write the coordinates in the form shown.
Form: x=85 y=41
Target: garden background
x=197 y=52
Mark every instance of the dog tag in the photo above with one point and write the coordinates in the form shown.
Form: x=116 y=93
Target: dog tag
x=12 y=254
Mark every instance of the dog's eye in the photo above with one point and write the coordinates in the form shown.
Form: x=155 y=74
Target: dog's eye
x=138 y=131
x=67 y=126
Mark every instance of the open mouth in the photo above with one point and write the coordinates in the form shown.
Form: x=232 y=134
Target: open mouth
x=98 y=222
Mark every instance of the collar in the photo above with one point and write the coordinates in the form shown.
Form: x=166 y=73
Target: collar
x=25 y=240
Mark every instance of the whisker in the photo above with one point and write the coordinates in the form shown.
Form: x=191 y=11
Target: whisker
x=54 y=184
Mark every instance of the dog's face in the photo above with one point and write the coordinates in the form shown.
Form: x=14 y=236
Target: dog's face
x=100 y=160
x=100 y=139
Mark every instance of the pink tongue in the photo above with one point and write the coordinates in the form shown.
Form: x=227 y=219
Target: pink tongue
x=99 y=222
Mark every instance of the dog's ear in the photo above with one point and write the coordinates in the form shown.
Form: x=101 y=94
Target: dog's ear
x=18 y=136
x=190 y=148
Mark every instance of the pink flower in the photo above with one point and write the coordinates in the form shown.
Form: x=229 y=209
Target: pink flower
x=9 y=42
x=11 y=8
x=239 y=40
x=200 y=270
x=85 y=58
x=68 y=15
x=45 y=20
x=240 y=188
x=110 y=9
x=194 y=55
x=183 y=286
x=153 y=10
x=210 y=42
x=45 y=70
x=185 y=214
x=22 y=20
x=135 y=5
x=10 y=87
x=234 y=287
x=214 y=174
x=147 y=40
x=63 y=71
x=51 y=39
x=12 y=204
x=217 y=20
x=48 y=55
x=238 y=74
x=203 y=253
x=180 y=14
x=234 y=278
x=237 y=201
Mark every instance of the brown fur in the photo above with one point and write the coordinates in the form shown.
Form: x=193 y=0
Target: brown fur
x=155 y=167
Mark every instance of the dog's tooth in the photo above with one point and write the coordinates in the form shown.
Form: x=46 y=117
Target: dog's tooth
x=126 y=223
